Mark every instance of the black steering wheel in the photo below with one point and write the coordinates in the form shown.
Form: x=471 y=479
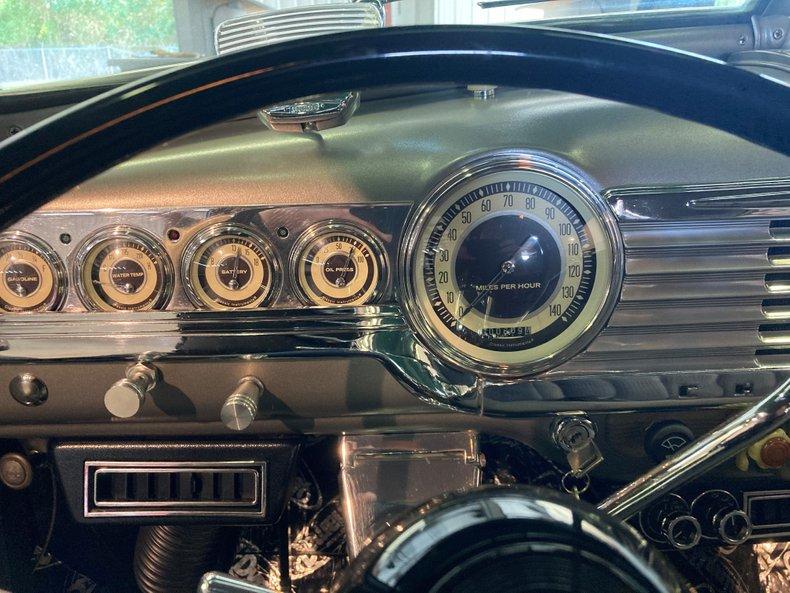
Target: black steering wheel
x=56 y=154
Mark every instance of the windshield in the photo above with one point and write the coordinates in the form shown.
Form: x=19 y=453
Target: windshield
x=44 y=41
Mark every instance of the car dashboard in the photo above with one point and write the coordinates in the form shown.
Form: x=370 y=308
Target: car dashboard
x=308 y=269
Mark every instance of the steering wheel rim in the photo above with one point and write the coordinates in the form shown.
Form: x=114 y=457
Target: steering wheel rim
x=66 y=149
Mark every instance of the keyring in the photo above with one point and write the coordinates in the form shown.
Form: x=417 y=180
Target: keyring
x=575 y=490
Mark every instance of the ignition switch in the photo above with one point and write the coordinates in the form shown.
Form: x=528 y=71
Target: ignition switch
x=575 y=435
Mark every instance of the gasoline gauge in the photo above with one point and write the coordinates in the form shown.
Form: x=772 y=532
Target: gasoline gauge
x=33 y=277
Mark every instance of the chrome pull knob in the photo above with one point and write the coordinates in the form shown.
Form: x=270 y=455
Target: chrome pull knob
x=241 y=406
x=125 y=398
x=721 y=517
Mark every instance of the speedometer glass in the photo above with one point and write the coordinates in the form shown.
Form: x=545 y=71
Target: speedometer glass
x=337 y=264
x=511 y=264
x=123 y=269
x=229 y=267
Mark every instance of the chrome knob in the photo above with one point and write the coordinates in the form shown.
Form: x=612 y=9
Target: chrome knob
x=670 y=521
x=683 y=532
x=721 y=517
x=735 y=527
x=125 y=398
x=241 y=406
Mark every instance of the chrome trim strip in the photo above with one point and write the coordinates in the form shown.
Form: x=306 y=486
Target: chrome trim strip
x=702 y=455
x=766 y=529
x=735 y=200
x=257 y=508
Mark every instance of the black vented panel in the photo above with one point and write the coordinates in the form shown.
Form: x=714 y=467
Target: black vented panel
x=147 y=488
x=165 y=482
x=175 y=486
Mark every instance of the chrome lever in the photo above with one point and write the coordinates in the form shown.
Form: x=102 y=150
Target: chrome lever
x=219 y=582
x=705 y=453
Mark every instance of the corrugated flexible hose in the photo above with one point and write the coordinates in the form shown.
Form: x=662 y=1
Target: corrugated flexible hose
x=172 y=558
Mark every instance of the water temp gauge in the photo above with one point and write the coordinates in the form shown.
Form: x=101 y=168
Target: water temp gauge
x=337 y=264
x=229 y=267
x=33 y=277
x=123 y=269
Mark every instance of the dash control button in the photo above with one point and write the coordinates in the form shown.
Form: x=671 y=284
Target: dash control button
x=664 y=439
x=15 y=471
x=28 y=390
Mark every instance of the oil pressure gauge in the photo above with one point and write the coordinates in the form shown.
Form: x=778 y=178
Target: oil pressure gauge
x=229 y=267
x=123 y=269
x=338 y=264
x=33 y=277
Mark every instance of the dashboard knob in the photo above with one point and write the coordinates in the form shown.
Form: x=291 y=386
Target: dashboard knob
x=775 y=452
x=682 y=531
x=125 y=398
x=670 y=521
x=241 y=406
x=721 y=517
x=769 y=453
x=664 y=439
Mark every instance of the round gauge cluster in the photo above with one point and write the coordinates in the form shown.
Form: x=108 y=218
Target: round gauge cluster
x=33 y=276
x=229 y=267
x=224 y=266
x=124 y=269
x=511 y=265
x=338 y=265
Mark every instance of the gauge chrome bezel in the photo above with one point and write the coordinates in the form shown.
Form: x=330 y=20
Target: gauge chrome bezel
x=49 y=255
x=124 y=232
x=338 y=226
x=238 y=230
x=479 y=166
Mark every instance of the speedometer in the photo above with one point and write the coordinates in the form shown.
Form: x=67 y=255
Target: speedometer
x=511 y=265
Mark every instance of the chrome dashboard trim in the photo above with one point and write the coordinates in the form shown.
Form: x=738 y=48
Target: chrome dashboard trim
x=677 y=335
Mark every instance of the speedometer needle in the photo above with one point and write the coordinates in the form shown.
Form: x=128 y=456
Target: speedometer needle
x=529 y=248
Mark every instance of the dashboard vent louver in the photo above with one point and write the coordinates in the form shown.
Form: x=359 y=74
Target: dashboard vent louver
x=780 y=229
x=164 y=488
x=776 y=308
x=775 y=335
x=778 y=282
x=707 y=282
x=277 y=26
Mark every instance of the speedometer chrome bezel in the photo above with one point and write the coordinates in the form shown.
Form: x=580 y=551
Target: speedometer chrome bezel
x=538 y=163
x=124 y=232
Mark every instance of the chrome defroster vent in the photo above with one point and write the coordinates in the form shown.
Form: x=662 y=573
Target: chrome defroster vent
x=149 y=489
x=277 y=26
x=304 y=114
